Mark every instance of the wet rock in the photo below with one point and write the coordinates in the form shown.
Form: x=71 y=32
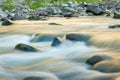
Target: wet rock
x=33 y=78
x=96 y=58
x=54 y=23
x=77 y=37
x=6 y=22
x=25 y=47
x=46 y=37
x=96 y=10
x=116 y=15
x=114 y=26
x=56 y=42
x=107 y=66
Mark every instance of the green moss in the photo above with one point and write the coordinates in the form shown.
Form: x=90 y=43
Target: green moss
x=8 y=7
x=33 y=4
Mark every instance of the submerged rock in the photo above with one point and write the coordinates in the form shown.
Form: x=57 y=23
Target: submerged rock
x=114 y=26
x=33 y=78
x=77 y=37
x=96 y=58
x=25 y=47
x=6 y=22
x=56 y=42
x=54 y=23
x=107 y=66
x=44 y=37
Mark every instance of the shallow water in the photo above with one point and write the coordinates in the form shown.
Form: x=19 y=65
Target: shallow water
x=66 y=62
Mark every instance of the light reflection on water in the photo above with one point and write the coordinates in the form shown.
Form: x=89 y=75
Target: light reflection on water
x=65 y=61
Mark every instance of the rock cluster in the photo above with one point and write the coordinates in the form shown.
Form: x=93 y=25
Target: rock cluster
x=68 y=9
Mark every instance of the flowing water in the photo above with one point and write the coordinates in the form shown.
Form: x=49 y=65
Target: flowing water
x=65 y=62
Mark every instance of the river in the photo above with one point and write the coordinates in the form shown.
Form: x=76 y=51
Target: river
x=65 y=62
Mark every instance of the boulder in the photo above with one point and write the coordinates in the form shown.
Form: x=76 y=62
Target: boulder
x=116 y=15
x=96 y=58
x=25 y=47
x=96 y=10
x=77 y=37
x=33 y=78
x=6 y=22
x=107 y=66
x=56 y=42
x=68 y=12
x=114 y=26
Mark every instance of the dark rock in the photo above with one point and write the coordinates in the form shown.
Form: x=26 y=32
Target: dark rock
x=6 y=22
x=54 y=23
x=56 y=42
x=116 y=15
x=97 y=58
x=94 y=59
x=114 y=26
x=96 y=10
x=46 y=37
x=33 y=78
x=25 y=47
x=77 y=37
